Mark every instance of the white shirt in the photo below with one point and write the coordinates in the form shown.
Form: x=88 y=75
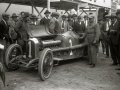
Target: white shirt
x=5 y=22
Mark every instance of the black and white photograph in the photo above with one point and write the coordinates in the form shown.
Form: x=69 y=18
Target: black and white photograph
x=59 y=44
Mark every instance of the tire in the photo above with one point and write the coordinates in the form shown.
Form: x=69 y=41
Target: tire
x=10 y=54
x=45 y=64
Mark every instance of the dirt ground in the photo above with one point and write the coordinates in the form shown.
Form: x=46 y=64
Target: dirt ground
x=69 y=75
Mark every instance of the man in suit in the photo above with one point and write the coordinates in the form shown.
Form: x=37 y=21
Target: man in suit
x=79 y=26
x=53 y=25
x=46 y=19
x=4 y=34
x=74 y=19
x=92 y=38
x=117 y=38
x=112 y=35
x=63 y=25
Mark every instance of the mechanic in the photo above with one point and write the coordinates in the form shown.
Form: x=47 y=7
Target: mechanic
x=46 y=19
x=92 y=38
x=54 y=24
x=22 y=27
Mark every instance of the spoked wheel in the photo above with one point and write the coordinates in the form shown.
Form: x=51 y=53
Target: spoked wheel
x=45 y=64
x=11 y=52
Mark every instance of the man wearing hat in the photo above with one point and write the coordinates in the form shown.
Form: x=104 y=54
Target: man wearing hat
x=46 y=19
x=4 y=34
x=92 y=38
x=22 y=27
x=54 y=24
x=116 y=30
x=112 y=33
x=79 y=25
x=12 y=24
x=74 y=17
x=33 y=19
x=63 y=25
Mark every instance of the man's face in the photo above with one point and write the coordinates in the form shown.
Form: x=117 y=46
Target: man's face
x=85 y=18
x=15 y=19
x=26 y=19
x=91 y=20
x=6 y=18
x=56 y=16
x=74 y=17
x=118 y=16
x=113 y=20
x=47 y=14
x=63 y=18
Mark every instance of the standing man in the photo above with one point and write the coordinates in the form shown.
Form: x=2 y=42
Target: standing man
x=79 y=26
x=22 y=27
x=54 y=24
x=12 y=24
x=63 y=24
x=117 y=42
x=112 y=36
x=74 y=16
x=101 y=24
x=105 y=29
x=4 y=34
x=86 y=20
x=92 y=38
x=46 y=19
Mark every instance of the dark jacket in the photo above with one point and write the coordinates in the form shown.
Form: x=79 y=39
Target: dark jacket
x=114 y=37
x=44 y=21
x=79 y=27
x=4 y=30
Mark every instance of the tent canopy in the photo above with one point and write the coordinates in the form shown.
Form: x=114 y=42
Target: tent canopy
x=62 y=4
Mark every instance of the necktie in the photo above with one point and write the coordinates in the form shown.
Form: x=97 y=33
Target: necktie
x=63 y=24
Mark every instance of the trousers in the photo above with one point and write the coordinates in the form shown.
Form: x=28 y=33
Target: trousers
x=92 y=53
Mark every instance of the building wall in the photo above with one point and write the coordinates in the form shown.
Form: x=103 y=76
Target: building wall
x=103 y=3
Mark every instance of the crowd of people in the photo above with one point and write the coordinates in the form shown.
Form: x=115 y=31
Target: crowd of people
x=14 y=29
x=110 y=37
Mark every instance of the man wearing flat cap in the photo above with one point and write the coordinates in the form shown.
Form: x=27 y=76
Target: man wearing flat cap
x=92 y=38
x=54 y=24
x=34 y=19
x=46 y=19
x=63 y=25
x=4 y=34
x=22 y=27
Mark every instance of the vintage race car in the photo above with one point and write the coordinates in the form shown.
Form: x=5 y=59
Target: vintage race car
x=43 y=48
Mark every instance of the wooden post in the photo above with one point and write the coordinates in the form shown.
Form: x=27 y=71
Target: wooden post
x=36 y=8
x=8 y=7
x=32 y=9
x=48 y=5
x=78 y=8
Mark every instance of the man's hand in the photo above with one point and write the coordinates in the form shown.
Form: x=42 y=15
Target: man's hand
x=95 y=42
x=3 y=38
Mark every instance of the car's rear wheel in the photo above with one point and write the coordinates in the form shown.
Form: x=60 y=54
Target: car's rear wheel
x=45 y=64
x=11 y=52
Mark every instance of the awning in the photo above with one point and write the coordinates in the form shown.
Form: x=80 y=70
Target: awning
x=62 y=5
